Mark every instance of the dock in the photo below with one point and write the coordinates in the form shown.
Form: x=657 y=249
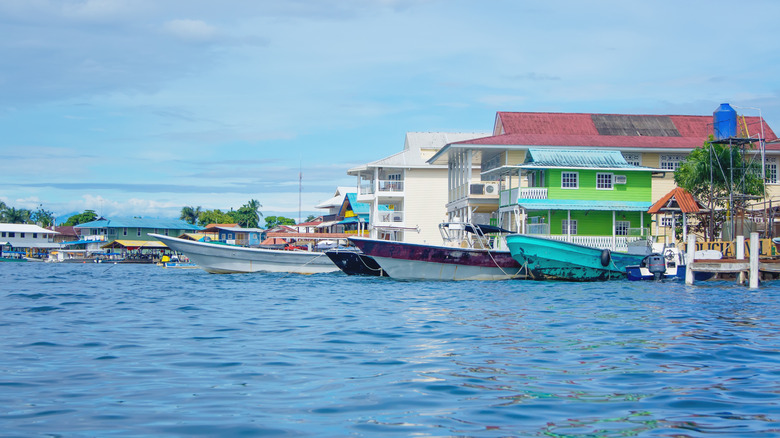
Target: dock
x=752 y=267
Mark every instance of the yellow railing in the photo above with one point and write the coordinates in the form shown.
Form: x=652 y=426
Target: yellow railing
x=728 y=249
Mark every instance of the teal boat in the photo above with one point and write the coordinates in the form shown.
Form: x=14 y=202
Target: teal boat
x=548 y=259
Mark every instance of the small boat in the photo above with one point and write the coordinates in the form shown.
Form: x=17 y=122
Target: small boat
x=412 y=261
x=548 y=259
x=219 y=258
x=669 y=266
x=352 y=261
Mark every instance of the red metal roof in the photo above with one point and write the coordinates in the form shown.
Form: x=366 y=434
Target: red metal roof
x=579 y=129
x=678 y=198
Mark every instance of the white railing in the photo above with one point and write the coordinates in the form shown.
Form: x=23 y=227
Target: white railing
x=534 y=193
x=391 y=186
x=508 y=197
x=600 y=242
x=393 y=217
x=538 y=229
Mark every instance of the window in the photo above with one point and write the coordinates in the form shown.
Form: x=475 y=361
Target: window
x=124 y=231
x=569 y=180
x=666 y=221
x=21 y=235
x=3 y=233
x=138 y=232
x=35 y=235
x=604 y=181
x=568 y=225
x=621 y=228
x=11 y=234
x=671 y=162
x=633 y=158
x=770 y=166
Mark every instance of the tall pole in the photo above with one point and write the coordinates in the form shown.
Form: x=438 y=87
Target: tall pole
x=300 y=188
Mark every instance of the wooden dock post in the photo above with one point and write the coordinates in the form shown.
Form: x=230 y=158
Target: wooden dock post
x=689 y=259
x=740 y=252
x=754 y=250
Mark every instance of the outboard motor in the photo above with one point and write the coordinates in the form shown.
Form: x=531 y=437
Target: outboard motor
x=656 y=265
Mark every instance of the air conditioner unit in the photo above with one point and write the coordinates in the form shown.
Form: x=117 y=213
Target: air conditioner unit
x=620 y=179
x=491 y=189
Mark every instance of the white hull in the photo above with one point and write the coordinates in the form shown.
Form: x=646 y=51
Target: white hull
x=401 y=269
x=227 y=259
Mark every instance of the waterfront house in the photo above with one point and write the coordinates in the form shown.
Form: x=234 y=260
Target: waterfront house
x=133 y=232
x=407 y=195
x=26 y=239
x=592 y=198
x=653 y=141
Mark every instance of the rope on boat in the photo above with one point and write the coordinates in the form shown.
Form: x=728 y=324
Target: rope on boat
x=502 y=269
x=315 y=258
x=369 y=267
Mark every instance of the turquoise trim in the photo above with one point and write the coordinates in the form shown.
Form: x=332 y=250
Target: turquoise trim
x=576 y=204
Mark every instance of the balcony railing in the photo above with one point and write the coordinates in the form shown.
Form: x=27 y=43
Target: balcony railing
x=391 y=186
x=533 y=193
x=391 y=217
x=366 y=189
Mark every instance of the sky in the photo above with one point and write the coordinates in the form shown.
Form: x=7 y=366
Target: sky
x=142 y=107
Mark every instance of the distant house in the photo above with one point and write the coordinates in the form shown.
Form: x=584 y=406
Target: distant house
x=30 y=239
x=310 y=226
x=333 y=206
x=132 y=232
x=235 y=235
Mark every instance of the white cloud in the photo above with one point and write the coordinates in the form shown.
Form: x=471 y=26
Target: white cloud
x=196 y=31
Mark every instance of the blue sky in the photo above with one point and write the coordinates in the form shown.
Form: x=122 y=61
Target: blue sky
x=141 y=107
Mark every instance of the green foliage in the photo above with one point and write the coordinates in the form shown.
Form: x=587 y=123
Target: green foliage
x=310 y=218
x=15 y=216
x=81 y=218
x=248 y=216
x=713 y=171
x=190 y=214
x=272 y=221
x=43 y=217
x=215 y=216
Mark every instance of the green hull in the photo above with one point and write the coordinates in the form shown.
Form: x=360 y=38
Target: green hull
x=548 y=259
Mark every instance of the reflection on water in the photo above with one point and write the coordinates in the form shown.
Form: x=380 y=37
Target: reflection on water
x=140 y=350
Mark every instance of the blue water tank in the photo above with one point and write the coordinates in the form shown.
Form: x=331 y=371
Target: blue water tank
x=724 y=122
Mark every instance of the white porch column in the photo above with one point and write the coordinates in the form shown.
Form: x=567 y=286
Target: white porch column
x=568 y=226
x=685 y=227
x=614 y=243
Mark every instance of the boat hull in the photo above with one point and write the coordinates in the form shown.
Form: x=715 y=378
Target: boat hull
x=408 y=261
x=353 y=262
x=548 y=259
x=229 y=259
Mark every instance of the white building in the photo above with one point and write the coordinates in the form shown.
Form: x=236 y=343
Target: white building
x=414 y=190
x=27 y=237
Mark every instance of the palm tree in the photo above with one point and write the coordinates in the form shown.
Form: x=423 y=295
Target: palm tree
x=250 y=214
x=14 y=216
x=190 y=214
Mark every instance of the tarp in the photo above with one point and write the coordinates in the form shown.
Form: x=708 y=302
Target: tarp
x=134 y=244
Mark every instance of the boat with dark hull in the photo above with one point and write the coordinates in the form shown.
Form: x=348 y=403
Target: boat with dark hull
x=462 y=259
x=352 y=261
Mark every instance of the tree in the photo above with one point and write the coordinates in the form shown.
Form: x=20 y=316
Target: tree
x=249 y=214
x=16 y=216
x=215 y=216
x=310 y=218
x=273 y=221
x=81 y=218
x=190 y=214
x=43 y=217
x=713 y=173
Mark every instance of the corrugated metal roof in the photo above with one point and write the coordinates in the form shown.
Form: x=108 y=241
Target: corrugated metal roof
x=576 y=158
x=136 y=222
x=678 y=199
x=25 y=228
x=574 y=204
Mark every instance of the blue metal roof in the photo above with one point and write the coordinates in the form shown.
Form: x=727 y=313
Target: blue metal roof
x=576 y=158
x=136 y=222
x=361 y=208
x=575 y=204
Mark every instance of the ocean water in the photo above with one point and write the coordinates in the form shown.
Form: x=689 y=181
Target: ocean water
x=139 y=350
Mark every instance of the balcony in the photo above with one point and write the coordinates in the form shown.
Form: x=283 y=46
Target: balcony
x=390 y=218
x=395 y=186
x=510 y=197
x=533 y=193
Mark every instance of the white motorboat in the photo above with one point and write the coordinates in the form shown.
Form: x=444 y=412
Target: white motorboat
x=228 y=259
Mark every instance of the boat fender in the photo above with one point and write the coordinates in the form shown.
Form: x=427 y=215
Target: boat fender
x=606 y=257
